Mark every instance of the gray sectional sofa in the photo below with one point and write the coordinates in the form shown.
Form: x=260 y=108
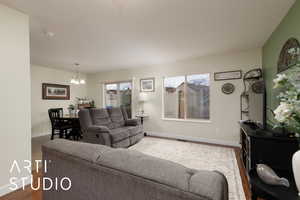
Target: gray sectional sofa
x=99 y=172
x=109 y=127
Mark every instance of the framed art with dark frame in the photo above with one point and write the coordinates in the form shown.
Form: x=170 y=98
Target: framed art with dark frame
x=228 y=75
x=55 y=91
x=147 y=85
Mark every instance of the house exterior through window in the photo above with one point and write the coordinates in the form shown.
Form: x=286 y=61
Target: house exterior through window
x=118 y=94
x=187 y=97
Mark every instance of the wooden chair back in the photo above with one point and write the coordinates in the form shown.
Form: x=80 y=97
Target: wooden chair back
x=55 y=114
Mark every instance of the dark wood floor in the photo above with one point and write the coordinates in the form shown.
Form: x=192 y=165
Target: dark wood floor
x=246 y=185
x=29 y=194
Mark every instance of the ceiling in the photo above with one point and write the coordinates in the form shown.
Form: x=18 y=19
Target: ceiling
x=115 y=34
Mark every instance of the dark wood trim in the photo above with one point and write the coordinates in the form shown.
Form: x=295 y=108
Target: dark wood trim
x=44 y=93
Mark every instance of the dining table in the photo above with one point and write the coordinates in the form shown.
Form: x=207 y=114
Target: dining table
x=73 y=119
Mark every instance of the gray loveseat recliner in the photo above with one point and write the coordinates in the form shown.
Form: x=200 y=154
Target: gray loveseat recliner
x=99 y=172
x=109 y=127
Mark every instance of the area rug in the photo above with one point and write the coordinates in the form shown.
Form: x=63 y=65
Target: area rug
x=197 y=156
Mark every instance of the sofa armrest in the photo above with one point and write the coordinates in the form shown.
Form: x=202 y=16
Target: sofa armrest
x=98 y=135
x=131 y=122
x=212 y=185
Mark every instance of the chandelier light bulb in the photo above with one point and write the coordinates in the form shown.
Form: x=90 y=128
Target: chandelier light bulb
x=77 y=80
x=82 y=81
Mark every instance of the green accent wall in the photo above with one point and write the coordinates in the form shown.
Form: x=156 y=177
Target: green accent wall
x=289 y=27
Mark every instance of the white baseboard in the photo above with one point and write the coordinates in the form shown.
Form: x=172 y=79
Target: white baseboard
x=39 y=135
x=4 y=190
x=194 y=139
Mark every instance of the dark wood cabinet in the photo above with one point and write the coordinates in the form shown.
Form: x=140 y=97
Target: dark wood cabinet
x=262 y=147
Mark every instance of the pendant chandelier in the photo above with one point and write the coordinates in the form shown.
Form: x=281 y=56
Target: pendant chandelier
x=76 y=79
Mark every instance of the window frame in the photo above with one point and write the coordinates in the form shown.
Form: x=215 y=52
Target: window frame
x=118 y=89
x=185 y=101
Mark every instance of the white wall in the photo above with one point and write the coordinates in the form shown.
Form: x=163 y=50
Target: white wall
x=224 y=109
x=15 y=139
x=40 y=123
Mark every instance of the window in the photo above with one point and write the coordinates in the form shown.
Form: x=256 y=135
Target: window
x=118 y=94
x=187 y=97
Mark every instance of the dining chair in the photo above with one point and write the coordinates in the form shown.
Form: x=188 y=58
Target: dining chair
x=58 y=124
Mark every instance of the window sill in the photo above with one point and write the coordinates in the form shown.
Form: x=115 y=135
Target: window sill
x=187 y=120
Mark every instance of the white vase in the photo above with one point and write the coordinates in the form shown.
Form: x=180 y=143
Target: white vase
x=296 y=169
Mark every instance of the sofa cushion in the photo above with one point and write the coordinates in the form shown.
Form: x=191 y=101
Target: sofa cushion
x=98 y=129
x=122 y=144
x=119 y=134
x=100 y=117
x=132 y=122
x=116 y=117
x=151 y=168
x=134 y=130
x=86 y=151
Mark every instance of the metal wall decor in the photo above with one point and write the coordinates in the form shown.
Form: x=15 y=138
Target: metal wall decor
x=228 y=75
x=253 y=83
x=258 y=87
x=289 y=55
x=254 y=74
x=228 y=88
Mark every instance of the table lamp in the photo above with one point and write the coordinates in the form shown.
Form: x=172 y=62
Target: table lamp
x=142 y=100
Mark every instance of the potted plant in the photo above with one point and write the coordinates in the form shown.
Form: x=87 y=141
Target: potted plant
x=288 y=113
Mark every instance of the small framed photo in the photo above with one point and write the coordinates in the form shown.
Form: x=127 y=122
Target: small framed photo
x=228 y=75
x=55 y=91
x=147 y=85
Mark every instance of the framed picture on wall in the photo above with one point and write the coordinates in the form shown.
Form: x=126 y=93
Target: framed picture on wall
x=228 y=75
x=55 y=91
x=147 y=85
